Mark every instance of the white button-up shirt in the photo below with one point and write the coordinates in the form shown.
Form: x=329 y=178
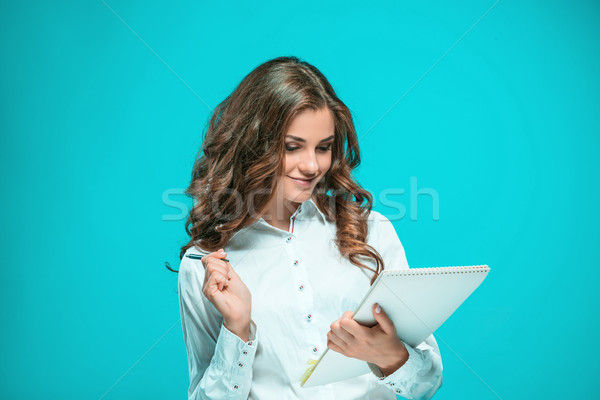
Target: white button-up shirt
x=300 y=284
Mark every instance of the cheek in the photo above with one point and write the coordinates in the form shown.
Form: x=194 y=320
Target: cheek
x=288 y=164
x=325 y=163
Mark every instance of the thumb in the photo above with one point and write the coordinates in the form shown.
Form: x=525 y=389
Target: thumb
x=386 y=324
x=221 y=254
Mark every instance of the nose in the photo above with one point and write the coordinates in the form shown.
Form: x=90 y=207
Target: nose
x=308 y=164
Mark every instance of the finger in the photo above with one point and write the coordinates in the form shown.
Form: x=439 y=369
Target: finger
x=206 y=261
x=385 y=323
x=216 y=268
x=231 y=272
x=215 y=256
x=217 y=279
x=354 y=328
x=334 y=347
x=342 y=333
x=345 y=323
x=338 y=341
x=336 y=324
x=221 y=254
x=340 y=329
x=206 y=258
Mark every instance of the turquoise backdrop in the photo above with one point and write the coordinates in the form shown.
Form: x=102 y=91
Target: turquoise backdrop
x=478 y=119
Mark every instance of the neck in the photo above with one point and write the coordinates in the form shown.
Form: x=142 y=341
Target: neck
x=279 y=212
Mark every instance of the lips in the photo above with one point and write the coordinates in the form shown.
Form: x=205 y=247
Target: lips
x=306 y=183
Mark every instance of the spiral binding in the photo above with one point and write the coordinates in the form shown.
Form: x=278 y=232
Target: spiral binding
x=436 y=270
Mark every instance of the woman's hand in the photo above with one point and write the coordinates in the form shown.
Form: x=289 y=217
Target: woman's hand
x=378 y=345
x=225 y=290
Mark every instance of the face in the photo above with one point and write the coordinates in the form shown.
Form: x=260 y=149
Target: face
x=308 y=147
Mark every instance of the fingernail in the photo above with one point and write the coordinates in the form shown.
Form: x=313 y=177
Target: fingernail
x=221 y=252
x=377 y=309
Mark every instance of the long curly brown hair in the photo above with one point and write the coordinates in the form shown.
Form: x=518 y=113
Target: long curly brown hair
x=243 y=153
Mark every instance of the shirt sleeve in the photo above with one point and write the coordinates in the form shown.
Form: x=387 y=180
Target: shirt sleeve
x=421 y=375
x=220 y=362
x=384 y=238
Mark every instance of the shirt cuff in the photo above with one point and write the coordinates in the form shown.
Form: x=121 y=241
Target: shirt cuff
x=231 y=350
x=400 y=379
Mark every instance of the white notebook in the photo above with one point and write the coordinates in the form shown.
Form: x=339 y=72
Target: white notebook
x=418 y=300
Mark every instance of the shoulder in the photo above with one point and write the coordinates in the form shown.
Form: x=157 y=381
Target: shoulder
x=191 y=271
x=379 y=225
x=376 y=216
x=383 y=236
x=195 y=250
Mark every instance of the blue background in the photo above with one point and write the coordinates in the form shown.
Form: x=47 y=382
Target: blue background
x=493 y=106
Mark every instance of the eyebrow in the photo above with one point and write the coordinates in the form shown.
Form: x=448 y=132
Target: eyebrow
x=302 y=140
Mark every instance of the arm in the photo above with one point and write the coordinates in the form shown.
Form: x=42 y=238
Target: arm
x=421 y=375
x=414 y=373
x=219 y=361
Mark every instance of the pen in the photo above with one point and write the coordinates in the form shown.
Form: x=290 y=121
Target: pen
x=199 y=257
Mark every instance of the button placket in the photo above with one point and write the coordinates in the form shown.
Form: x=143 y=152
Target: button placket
x=303 y=290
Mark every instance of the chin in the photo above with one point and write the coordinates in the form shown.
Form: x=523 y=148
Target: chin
x=299 y=196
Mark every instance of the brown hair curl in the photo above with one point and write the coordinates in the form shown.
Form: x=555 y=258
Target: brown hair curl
x=235 y=173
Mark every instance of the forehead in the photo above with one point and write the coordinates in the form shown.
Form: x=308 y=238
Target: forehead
x=312 y=124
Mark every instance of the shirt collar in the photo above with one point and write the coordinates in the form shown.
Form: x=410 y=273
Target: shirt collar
x=307 y=210
x=311 y=209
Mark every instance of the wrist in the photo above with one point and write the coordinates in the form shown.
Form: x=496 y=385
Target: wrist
x=388 y=368
x=240 y=328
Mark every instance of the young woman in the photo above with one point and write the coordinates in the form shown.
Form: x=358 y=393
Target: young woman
x=290 y=246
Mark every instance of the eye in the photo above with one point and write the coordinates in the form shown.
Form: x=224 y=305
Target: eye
x=321 y=148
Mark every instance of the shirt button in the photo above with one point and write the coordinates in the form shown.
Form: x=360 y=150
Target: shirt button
x=245 y=352
x=296 y=262
x=315 y=350
x=309 y=317
x=289 y=239
x=236 y=387
x=241 y=364
x=301 y=287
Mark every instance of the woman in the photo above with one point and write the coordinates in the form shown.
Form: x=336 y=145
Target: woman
x=290 y=246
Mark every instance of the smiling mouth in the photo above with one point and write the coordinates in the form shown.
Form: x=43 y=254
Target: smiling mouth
x=302 y=182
